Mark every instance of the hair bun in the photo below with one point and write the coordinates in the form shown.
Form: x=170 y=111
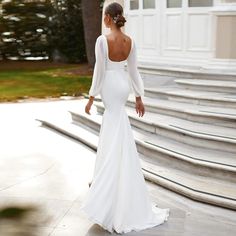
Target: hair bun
x=119 y=20
x=115 y=11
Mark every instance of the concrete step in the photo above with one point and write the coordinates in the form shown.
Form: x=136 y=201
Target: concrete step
x=197 y=188
x=190 y=71
x=208 y=85
x=73 y=131
x=202 y=135
x=204 y=98
x=219 y=116
x=218 y=192
x=202 y=114
x=168 y=152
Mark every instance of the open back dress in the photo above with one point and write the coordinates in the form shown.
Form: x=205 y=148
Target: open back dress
x=118 y=198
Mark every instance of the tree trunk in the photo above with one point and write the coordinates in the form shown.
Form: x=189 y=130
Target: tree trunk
x=92 y=16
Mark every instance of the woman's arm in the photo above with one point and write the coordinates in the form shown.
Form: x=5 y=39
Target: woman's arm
x=135 y=77
x=98 y=73
x=136 y=80
x=99 y=68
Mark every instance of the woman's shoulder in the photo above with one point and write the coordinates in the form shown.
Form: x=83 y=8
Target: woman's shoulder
x=100 y=37
x=128 y=37
x=100 y=41
x=104 y=36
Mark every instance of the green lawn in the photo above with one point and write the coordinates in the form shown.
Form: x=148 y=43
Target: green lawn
x=39 y=83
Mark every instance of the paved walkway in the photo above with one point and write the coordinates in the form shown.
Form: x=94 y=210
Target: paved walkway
x=40 y=166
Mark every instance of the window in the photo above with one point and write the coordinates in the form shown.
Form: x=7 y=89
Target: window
x=200 y=3
x=174 y=3
x=148 y=4
x=134 y=4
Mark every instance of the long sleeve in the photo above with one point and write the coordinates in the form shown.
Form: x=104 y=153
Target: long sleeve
x=99 y=68
x=136 y=80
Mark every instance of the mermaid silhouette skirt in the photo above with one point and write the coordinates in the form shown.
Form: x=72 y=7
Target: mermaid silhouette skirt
x=118 y=198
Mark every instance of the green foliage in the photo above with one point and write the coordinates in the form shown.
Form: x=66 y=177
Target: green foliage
x=49 y=29
x=35 y=83
x=24 y=29
x=67 y=30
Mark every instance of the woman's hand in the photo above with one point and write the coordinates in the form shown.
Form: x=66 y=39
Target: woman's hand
x=139 y=106
x=89 y=104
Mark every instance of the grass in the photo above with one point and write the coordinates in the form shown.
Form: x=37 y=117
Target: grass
x=42 y=82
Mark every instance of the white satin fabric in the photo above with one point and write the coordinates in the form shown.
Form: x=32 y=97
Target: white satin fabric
x=118 y=198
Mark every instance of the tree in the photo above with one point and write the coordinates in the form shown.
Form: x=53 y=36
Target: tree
x=92 y=16
x=24 y=29
x=49 y=29
x=67 y=32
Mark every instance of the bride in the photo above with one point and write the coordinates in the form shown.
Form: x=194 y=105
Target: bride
x=118 y=197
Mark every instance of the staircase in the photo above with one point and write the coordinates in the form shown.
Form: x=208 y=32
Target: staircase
x=186 y=139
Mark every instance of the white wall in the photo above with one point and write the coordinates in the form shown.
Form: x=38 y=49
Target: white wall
x=182 y=37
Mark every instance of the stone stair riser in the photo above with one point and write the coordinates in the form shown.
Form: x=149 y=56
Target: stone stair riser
x=180 y=135
x=184 y=137
x=201 y=197
x=160 y=180
x=69 y=134
x=191 y=116
x=206 y=119
x=209 y=88
x=190 y=73
x=185 y=99
x=167 y=158
x=82 y=120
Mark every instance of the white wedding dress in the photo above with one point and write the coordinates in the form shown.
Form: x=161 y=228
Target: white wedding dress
x=118 y=197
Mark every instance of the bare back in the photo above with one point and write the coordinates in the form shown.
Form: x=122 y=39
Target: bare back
x=119 y=46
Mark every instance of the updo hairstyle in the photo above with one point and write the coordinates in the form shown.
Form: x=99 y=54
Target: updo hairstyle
x=115 y=10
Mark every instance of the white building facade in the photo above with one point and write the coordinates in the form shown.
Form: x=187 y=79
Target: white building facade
x=185 y=35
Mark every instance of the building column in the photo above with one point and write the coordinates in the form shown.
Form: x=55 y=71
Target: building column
x=225 y=14
x=224 y=58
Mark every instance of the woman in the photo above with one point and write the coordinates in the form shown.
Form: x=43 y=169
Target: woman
x=118 y=198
